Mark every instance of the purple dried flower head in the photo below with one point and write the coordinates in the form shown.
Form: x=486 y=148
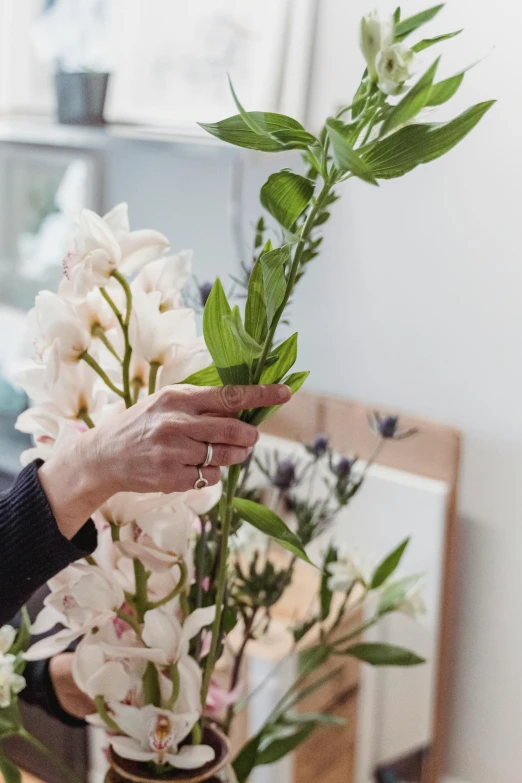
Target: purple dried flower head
x=319 y=447
x=204 y=292
x=387 y=427
x=284 y=477
x=343 y=468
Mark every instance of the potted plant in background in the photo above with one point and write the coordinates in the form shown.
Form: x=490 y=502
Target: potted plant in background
x=76 y=37
x=155 y=606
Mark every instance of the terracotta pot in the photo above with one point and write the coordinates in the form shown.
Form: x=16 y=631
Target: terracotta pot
x=217 y=771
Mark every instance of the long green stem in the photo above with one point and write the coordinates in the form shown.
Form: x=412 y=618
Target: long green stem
x=53 y=757
x=176 y=591
x=141 y=577
x=101 y=709
x=103 y=375
x=83 y=415
x=98 y=331
x=176 y=685
x=296 y=263
x=125 y=329
x=112 y=305
x=127 y=618
x=233 y=478
x=153 y=374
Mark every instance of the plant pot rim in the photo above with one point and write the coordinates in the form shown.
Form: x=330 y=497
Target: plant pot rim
x=121 y=766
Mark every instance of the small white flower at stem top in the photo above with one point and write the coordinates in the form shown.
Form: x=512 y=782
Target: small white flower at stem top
x=395 y=65
x=156 y=735
x=377 y=32
x=10 y=682
x=7 y=638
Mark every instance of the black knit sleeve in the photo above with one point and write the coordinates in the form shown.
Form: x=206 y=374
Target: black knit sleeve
x=32 y=548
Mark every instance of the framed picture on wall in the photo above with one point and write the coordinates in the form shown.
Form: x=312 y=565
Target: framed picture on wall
x=175 y=56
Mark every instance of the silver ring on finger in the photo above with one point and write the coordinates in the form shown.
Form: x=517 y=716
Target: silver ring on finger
x=200 y=482
x=208 y=458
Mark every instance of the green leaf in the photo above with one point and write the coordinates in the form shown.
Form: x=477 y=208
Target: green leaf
x=327 y=594
x=295 y=138
x=427 y=42
x=301 y=629
x=311 y=658
x=235 y=131
x=294 y=381
x=414 y=145
x=317 y=718
x=388 y=565
x=221 y=341
x=345 y=157
x=268 y=522
x=395 y=593
x=286 y=196
x=247 y=117
x=23 y=637
x=10 y=719
x=9 y=770
x=444 y=90
x=256 y=322
x=413 y=102
x=378 y=654
x=245 y=761
x=286 y=356
x=308 y=690
x=413 y=23
x=250 y=348
x=279 y=748
x=397 y=15
x=274 y=282
x=206 y=377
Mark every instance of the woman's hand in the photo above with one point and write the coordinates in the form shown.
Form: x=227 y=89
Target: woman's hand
x=70 y=697
x=154 y=446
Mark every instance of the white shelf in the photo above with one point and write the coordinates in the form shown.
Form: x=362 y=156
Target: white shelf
x=46 y=131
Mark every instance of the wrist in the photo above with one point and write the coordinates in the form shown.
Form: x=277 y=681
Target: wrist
x=76 y=484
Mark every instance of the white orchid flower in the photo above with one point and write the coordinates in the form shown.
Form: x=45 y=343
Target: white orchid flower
x=59 y=335
x=377 y=33
x=100 y=667
x=155 y=735
x=163 y=632
x=395 y=64
x=10 y=682
x=48 y=444
x=7 y=638
x=166 y=276
x=155 y=335
x=96 y=675
x=102 y=245
x=414 y=604
x=183 y=361
x=77 y=391
x=82 y=597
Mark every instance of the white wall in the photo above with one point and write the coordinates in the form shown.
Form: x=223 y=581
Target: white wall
x=418 y=295
x=415 y=303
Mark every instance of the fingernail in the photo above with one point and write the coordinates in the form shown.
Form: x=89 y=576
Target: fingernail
x=284 y=392
x=250 y=450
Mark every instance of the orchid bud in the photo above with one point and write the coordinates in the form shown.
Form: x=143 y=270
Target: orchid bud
x=377 y=33
x=388 y=426
x=284 y=476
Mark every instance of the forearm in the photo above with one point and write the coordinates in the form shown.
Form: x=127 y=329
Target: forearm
x=32 y=546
